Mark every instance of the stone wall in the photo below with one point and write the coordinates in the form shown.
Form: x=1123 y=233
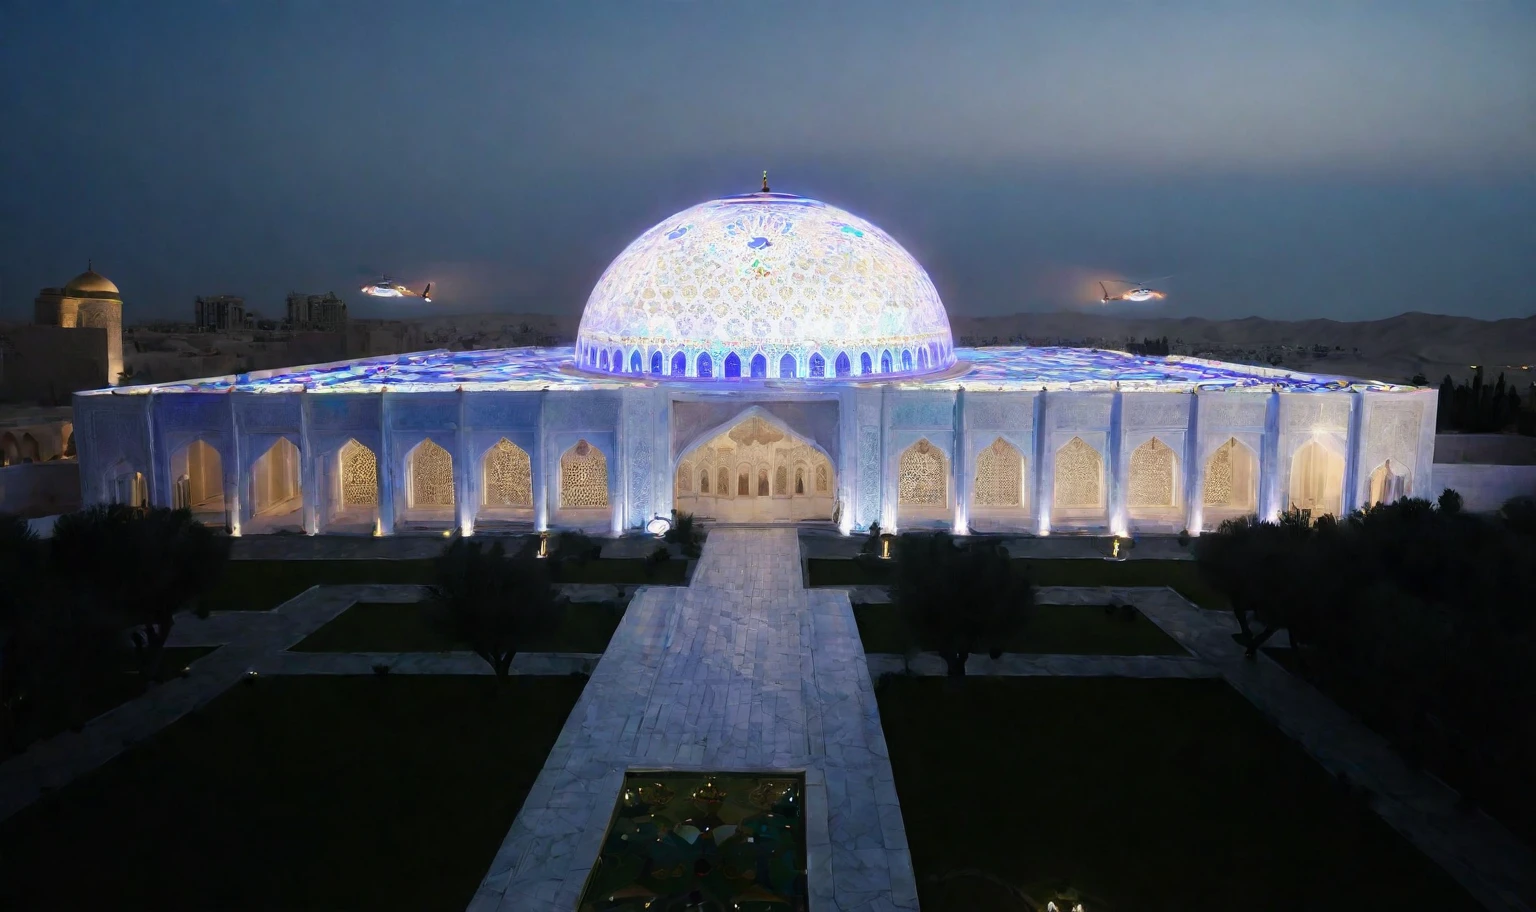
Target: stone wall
x=1485 y=449
x=40 y=488
x=47 y=364
x=1485 y=488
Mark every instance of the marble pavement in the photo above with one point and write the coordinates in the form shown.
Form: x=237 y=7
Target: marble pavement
x=742 y=670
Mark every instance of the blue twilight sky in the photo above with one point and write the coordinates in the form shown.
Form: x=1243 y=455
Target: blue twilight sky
x=1348 y=158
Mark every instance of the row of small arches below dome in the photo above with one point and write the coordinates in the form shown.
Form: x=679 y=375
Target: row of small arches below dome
x=815 y=366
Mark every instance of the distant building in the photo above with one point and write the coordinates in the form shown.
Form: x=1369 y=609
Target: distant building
x=326 y=312
x=89 y=300
x=220 y=313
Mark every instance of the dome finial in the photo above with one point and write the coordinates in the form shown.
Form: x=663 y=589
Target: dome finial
x=91 y=267
x=765 y=181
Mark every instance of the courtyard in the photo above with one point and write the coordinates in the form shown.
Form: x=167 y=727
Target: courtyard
x=1125 y=758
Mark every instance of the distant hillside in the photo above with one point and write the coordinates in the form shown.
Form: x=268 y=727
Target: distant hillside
x=1391 y=349
x=1395 y=349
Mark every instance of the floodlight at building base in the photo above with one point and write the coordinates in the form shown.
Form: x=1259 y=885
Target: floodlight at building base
x=659 y=526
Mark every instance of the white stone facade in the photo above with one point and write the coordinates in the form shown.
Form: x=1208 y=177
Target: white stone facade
x=609 y=459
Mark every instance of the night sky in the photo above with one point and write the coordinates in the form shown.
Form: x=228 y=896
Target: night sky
x=1288 y=160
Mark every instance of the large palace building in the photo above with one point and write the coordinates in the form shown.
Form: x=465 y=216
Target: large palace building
x=759 y=358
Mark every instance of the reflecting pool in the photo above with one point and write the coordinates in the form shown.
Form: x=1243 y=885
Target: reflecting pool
x=731 y=842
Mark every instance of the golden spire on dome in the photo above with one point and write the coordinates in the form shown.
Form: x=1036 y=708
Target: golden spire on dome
x=765 y=181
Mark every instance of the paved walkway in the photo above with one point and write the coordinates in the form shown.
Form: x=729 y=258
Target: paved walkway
x=743 y=670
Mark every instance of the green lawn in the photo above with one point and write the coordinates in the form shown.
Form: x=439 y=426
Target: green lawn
x=1181 y=575
x=262 y=585
x=627 y=570
x=1142 y=795
x=1059 y=629
x=412 y=627
x=45 y=716
x=324 y=792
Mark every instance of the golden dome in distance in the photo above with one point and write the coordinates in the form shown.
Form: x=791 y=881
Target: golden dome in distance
x=90 y=283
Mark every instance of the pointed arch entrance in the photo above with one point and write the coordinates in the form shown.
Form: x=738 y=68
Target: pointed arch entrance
x=198 y=474
x=763 y=472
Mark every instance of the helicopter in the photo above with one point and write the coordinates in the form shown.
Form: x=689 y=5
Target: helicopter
x=1138 y=292
x=387 y=288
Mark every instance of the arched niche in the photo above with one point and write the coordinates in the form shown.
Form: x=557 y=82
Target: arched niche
x=506 y=482
x=197 y=473
x=999 y=484
x=276 y=488
x=1152 y=482
x=1077 y=489
x=1317 y=480
x=125 y=484
x=750 y=462
x=1230 y=483
x=429 y=490
x=584 y=478
x=1388 y=482
x=922 y=485
x=352 y=489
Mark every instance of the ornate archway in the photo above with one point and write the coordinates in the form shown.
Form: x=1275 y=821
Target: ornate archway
x=752 y=463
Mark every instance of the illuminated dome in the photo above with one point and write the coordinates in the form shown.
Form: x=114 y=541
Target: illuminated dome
x=89 y=284
x=764 y=285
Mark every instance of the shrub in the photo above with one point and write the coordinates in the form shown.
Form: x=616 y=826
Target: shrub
x=1450 y=501
x=656 y=558
x=685 y=531
x=1519 y=514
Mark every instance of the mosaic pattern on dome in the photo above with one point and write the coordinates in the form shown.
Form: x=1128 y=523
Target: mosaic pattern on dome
x=759 y=277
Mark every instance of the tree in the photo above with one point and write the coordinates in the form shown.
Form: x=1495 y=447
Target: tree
x=1262 y=570
x=495 y=603
x=1519 y=514
x=56 y=647
x=959 y=599
x=139 y=568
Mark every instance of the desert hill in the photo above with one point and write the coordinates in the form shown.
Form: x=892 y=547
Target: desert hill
x=1393 y=349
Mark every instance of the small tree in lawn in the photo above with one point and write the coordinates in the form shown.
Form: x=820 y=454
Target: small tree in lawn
x=959 y=599
x=495 y=603
x=140 y=568
x=1262 y=570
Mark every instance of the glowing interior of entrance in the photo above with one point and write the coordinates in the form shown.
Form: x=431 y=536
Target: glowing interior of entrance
x=755 y=472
